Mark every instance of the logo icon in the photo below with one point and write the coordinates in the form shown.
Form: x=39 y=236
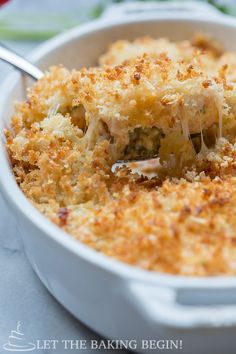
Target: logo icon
x=17 y=342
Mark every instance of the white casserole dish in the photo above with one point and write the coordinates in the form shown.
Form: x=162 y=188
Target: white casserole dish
x=114 y=299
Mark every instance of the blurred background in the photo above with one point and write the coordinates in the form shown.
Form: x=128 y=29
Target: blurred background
x=33 y=20
x=24 y=24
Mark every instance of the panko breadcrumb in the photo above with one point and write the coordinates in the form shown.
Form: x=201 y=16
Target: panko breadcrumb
x=122 y=50
x=174 y=214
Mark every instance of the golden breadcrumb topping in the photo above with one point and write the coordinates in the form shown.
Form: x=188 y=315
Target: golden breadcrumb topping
x=122 y=50
x=175 y=213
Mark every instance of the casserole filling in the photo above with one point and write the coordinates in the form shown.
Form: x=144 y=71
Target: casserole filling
x=177 y=101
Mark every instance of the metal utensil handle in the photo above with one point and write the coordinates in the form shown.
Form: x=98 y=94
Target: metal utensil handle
x=19 y=62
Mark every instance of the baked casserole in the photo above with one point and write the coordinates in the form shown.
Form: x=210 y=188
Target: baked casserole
x=150 y=97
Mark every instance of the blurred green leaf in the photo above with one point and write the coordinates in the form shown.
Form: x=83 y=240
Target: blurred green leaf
x=97 y=10
x=18 y=26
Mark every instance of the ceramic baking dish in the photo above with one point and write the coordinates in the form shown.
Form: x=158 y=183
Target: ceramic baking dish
x=114 y=299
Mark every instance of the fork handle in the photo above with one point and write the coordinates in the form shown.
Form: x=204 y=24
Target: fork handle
x=19 y=62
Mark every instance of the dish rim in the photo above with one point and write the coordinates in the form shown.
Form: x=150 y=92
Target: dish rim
x=21 y=204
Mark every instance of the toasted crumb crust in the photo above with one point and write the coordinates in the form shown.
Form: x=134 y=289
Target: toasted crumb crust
x=179 y=226
x=74 y=125
x=122 y=50
x=186 y=228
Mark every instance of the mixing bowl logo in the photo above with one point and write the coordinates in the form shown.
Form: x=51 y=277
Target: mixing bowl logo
x=17 y=342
